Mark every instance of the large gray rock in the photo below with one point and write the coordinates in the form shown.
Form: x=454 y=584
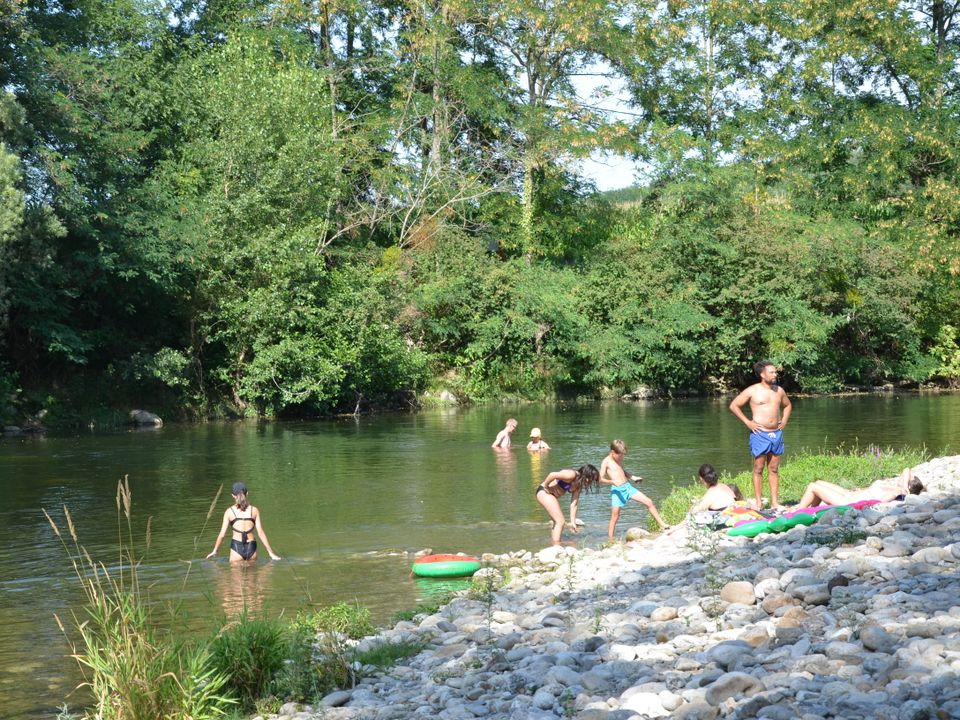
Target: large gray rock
x=730 y=685
x=564 y=675
x=696 y=711
x=877 y=639
x=543 y=699
x=336 y=698
x=892 y=548
x=145 y=418
x=448 y=397
x=727 y=653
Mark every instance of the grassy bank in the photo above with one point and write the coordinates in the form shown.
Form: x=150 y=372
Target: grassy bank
x=850 y=468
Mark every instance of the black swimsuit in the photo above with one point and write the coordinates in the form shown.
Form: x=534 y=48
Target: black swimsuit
x=247 y=547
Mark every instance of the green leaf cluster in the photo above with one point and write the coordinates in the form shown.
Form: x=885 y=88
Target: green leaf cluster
x=283 y=209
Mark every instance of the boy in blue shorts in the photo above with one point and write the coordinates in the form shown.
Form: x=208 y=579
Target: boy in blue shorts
x=622 y=491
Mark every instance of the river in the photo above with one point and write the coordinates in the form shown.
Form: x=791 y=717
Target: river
x=343 y=502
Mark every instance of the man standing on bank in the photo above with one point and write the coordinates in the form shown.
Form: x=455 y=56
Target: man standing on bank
x=766 y=426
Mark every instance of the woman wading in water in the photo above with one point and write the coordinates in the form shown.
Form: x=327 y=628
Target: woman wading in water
x=243 y=518
x=566 y=481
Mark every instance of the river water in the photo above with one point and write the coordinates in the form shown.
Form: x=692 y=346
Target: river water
x=343 y=502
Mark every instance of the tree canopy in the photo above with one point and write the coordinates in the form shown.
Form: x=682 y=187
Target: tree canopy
x=286 y=208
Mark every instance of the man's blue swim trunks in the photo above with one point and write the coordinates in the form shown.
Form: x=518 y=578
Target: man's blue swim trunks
x=620 y=494
x=764 y=442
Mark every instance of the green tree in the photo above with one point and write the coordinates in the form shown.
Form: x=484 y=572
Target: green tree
x=253 y=190
x=90 y=78
x=544 y=45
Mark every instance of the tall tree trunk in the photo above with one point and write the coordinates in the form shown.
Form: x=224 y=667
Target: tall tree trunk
x=529 y=210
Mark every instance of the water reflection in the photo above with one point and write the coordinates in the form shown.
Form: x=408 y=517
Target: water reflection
x=506 y=469
x=536 y=468
x=434 y=588
x=241 y=586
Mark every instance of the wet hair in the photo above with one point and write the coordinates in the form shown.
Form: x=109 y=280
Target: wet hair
x=758 y=367
x=708 y=474
x=737 y=495
x=242 y=501
x=588 y=478
x=915 y=486
x=619 y=446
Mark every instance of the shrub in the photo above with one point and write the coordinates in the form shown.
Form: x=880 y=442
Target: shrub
x=350 y=620
x=385 y=655
x=250 y=653
x=426 y=608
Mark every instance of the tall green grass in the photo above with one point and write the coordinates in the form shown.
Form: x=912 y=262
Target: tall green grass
x=133 y=669
x=848 y=467
x=353 y=621
x=251 y=653
x=322 y=643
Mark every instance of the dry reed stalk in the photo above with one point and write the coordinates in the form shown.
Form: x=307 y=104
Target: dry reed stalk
x=213 y=505
x=56 y=530
x=123 y=488
x=70 y=527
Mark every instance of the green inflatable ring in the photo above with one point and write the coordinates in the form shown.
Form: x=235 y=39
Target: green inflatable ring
x=839 y=508
x=445 y=566
x=750 y=529
x=780 y=524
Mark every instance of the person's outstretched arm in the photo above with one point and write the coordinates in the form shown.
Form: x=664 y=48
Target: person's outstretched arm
x=263 y=536
x=701 y=505
x=222 y=535
x=574 y=505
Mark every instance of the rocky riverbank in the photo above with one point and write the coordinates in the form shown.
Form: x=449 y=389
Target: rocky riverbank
x=857 y=616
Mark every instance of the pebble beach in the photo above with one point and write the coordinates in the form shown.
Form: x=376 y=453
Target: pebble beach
x=856 y=616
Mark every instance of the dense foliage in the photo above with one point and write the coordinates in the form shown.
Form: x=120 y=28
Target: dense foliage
x=269 y=208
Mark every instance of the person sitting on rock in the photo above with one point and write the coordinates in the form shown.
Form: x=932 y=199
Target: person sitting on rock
x=822 y=492
x=719 y=496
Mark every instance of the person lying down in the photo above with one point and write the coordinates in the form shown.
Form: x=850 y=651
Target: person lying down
x=823 y=492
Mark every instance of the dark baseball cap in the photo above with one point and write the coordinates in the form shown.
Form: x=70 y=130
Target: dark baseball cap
x=238 y=488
